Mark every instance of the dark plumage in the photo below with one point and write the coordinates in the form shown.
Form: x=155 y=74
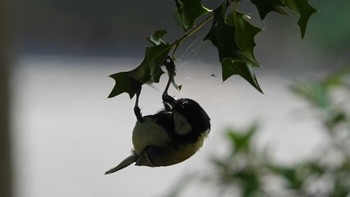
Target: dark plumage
x=169 y=136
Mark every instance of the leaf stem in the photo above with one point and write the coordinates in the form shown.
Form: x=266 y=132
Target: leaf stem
x=177 y=42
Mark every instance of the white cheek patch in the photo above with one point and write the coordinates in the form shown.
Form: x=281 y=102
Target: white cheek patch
x=182 y=126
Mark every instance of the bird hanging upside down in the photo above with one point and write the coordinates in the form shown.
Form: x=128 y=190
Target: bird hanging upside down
x=169 y=136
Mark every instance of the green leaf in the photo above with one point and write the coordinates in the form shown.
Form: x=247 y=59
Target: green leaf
x=234 y=44
x=124 y=82
x=236 y=67
x=157 y=37
x=188 y=11
x=291 y=175
x=266 y=6
x=316 y=94
x=338 y=78
x=222 y=35
x=241 y=140
x=149 y=71
x=251 y=183
x=244 y=34
x=304 y=9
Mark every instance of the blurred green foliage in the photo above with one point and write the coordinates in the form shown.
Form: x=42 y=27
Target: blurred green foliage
x=330 y=33
x=250 y=171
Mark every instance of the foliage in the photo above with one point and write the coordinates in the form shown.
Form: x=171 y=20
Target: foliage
x=231 y=33
x=249 y=171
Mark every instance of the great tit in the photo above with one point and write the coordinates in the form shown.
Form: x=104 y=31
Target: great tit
x=168 y=137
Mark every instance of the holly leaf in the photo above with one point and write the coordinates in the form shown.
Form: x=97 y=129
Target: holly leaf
x=304 y=9
x=236 y=67
x=124 y=82
x=157 y=37
x=149 y=71
x=301 y=7
x=222 y=35
x=244 y=34
x=234 y=44
x=266 y=6
x=188 y=11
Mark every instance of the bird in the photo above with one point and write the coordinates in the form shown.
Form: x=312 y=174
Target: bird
x=169 y=136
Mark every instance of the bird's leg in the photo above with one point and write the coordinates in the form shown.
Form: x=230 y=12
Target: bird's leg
x=167 y=100
x=137 y=109
x=165 y=93
x=170 y=67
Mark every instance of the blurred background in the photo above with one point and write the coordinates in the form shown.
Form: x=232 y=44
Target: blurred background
x=65 y=133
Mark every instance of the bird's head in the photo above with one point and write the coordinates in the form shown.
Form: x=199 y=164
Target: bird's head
x=188 y=115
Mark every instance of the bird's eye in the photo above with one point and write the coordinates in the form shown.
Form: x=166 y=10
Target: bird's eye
x=182 y=105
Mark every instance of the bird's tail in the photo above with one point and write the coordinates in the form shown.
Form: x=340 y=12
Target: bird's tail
x=126 y=162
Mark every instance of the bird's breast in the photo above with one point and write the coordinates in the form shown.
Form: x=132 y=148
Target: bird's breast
x=187 y=150
x=170 y=155
x=148 y=133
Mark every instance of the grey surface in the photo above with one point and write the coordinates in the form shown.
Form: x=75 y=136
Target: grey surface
x=67 y=133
